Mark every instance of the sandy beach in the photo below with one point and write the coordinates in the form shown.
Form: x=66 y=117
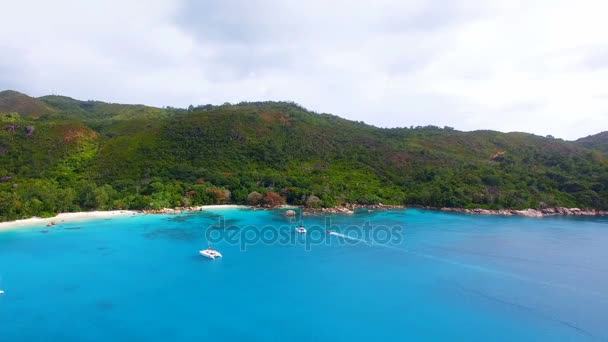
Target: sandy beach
x=65 y=217
x=89 y=215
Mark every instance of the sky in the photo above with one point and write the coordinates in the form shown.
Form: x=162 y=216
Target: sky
x=538 y=66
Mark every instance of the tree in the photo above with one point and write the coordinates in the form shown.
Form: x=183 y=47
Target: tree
x=273 y=199
x=86 y=195
x=313 y=201
x=221 y=195
x=254 y=198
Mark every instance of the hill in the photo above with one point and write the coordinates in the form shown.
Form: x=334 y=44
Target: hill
x=84 y=155
x=597 y=142
x=13 y=101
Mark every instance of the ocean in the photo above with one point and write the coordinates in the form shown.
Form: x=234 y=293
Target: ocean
x=390 y=275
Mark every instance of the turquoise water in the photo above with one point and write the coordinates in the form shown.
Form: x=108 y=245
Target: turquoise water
x=441 y=276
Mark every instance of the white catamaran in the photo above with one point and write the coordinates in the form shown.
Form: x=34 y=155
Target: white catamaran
x=210 y=253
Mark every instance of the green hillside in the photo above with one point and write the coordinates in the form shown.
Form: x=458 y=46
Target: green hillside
x=597 y=142
x=12 y=101
x=58 y=154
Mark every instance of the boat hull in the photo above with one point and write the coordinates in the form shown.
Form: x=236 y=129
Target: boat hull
x=210 y=255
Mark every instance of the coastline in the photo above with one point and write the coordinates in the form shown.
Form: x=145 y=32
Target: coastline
x=346 y=209
x=91 y=215
x=179 y=210
x=545 y=212
x=64 y=218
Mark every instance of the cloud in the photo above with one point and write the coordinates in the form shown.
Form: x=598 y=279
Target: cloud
x=536 y=66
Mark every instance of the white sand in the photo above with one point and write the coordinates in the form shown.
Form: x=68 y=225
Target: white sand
x=65 y=217
x=88 y=215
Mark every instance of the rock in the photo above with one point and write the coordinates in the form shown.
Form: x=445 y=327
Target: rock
x=290 y=213
x=346 y=209
x=549 y=211
x=528 y=213
x=482 y=212
x=11 y=128
x=575 y=211
x=29 y=130
x=164 y=211
x=504 y=212
x=454 y=210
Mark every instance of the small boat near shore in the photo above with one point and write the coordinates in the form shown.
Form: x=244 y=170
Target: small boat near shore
x=300 y=228
x=210 y=253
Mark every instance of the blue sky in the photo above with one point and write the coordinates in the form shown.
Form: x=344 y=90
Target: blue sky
x=533 y=66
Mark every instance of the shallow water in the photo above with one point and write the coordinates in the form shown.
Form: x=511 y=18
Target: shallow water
x=416 y=275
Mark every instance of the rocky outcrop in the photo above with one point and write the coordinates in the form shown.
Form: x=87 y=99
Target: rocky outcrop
x=350 y=208
x=29 y=130
x=549 y=211
x=161 y=211
x=11 y=128
x=176 y=210
x=334 y=210
x=528 y=213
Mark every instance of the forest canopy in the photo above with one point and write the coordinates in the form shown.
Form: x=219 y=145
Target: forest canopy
x=59 y=154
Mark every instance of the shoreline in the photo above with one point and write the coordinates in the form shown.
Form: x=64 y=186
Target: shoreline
x=529 y=212
x=64 y=218
x=346 y=209
x=179 y=210
x=91 y=215
x=545 y=212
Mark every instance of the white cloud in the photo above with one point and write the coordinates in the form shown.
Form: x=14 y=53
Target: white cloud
x=534 y=66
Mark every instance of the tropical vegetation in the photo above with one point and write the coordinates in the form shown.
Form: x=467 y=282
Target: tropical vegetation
x=58 y=154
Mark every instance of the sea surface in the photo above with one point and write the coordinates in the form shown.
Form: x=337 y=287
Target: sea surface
x=397 y=275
